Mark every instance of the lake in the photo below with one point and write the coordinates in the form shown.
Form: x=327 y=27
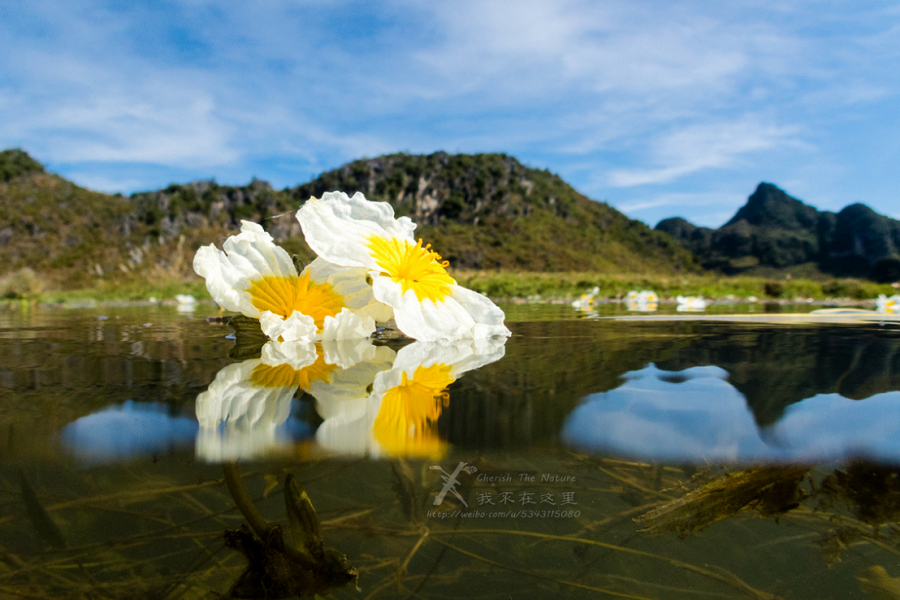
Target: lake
x=740 y=452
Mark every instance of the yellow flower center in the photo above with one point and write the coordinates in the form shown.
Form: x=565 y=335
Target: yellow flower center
x=415 y=267
x=406 y=425
x=284 y=375
x=284 y=295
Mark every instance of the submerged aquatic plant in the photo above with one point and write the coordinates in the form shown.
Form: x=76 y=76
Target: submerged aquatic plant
x=277 y=569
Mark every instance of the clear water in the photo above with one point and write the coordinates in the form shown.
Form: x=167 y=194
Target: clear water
x=588 y=456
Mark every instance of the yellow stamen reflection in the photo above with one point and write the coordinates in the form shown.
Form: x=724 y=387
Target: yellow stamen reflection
x=284 y=375
x=406 y=425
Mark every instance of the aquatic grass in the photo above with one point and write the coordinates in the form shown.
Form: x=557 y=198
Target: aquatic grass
x=416 y=557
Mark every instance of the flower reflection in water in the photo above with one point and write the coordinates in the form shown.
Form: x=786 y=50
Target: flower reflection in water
x=374 y=401
x=400 y=417
x=243 y=412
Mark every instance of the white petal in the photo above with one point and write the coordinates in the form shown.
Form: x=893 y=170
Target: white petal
x=256 y=250
x=348 y=353
x=338 y=228
x=234 y=400
x=352 y=284
x=297 y=355
x=464 y=314
x=210 y=263
x=347 y=326
x=422 y=320
x=296 y=328
x=487 y=315
x=248 y=256
x=460 y=356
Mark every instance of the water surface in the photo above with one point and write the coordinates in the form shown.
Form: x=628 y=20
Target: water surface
x=586 y=456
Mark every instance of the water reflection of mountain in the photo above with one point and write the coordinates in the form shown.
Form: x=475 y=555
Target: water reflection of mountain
x=58 y=366
x=774 y=367
x=551 y=366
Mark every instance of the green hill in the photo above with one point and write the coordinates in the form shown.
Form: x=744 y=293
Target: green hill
x=479 y=211
x=776 y=232
x=488 y=211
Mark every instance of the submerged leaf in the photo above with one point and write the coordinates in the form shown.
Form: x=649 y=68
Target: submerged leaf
x=872 y=492
x=39 y=516
x=303 y=519
x=769 y=491
x=407 y=491
x=875 y=582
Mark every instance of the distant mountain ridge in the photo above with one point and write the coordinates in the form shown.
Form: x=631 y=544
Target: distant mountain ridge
x=483 y=211
x=776 y=231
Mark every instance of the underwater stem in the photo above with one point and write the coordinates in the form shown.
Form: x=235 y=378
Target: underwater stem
x=243 y=501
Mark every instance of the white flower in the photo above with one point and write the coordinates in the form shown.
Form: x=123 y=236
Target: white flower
x=644 y=301
x=410 y=278
x=889 y=305
x=400 y=416
x=690 y=303
x=258 y=279
x=586 y=301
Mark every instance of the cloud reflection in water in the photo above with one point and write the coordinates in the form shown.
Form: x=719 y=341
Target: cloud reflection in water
x=126 y=430
x=695 y=415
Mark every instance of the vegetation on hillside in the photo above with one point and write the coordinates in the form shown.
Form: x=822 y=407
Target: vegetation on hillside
x=15 y=163
x=490 y=211
x=479 y=211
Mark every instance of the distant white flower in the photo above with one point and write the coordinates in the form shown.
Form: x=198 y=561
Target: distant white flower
x=410 y=278
x=257 y=278
x=586 y=301
x=644 y=301
x=185 y=303
x=888 y=305
x=690 y=303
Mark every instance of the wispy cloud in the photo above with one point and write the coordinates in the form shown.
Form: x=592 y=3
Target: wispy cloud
x=632 y=100
x=707 y=209
x=703 y=146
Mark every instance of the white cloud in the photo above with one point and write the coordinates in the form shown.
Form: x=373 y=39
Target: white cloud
x=649 y=93
x=681 y=200
x=702 y=146
x=102 y=183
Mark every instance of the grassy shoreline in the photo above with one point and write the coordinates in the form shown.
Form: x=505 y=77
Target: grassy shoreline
x=535 y=286
x=571 y=285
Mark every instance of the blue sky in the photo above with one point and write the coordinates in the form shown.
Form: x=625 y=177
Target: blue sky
x=659 y=108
